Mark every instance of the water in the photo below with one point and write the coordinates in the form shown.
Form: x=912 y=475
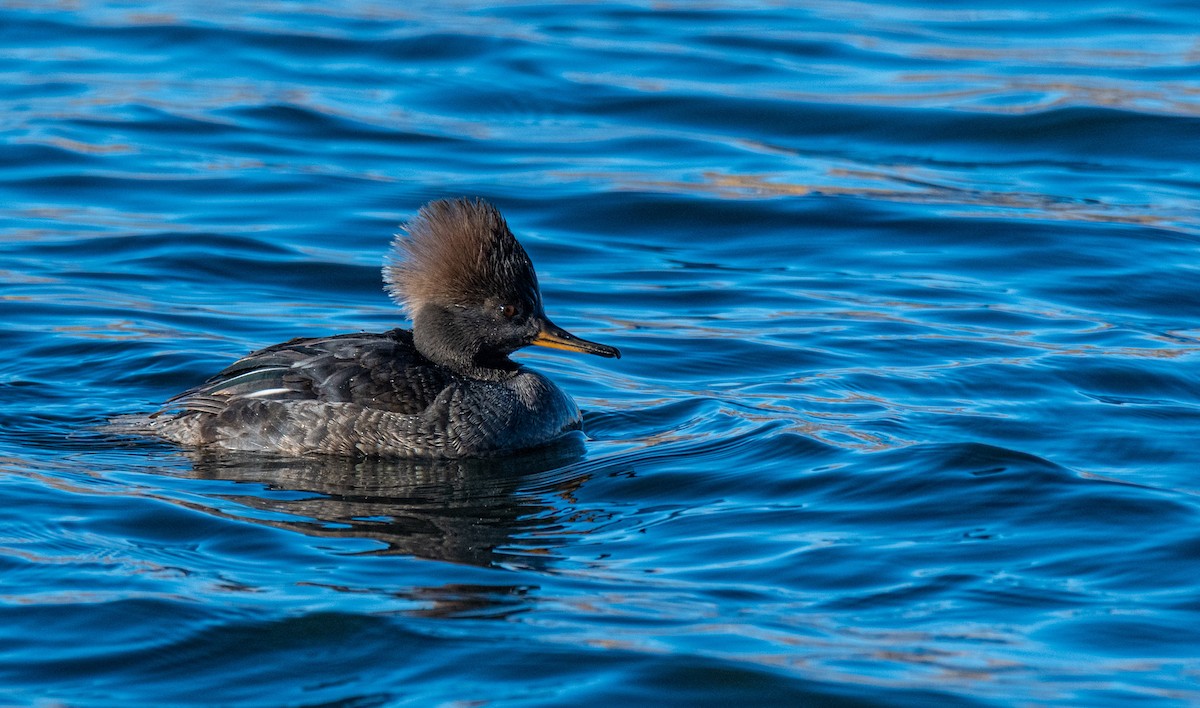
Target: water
x=907 y=297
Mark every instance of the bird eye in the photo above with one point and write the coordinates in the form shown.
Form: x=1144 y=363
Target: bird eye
x=509 y=311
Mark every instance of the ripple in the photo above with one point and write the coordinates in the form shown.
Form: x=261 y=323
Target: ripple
x=906 y=295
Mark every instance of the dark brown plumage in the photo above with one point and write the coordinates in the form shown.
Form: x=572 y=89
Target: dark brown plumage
x=445 y=389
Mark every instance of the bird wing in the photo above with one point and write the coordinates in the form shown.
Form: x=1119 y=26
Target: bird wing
x=375 y=370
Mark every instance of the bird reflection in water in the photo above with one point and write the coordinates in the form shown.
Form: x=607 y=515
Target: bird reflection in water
x=462 y=511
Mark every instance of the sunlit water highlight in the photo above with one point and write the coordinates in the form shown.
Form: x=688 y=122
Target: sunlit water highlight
x=907 y=299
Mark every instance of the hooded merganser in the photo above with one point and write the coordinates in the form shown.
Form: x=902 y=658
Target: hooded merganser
x=445 y=389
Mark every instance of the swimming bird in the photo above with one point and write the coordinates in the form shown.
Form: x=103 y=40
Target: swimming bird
x=445 y=388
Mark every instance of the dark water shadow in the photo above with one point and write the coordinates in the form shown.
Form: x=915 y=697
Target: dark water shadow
x=462 y=511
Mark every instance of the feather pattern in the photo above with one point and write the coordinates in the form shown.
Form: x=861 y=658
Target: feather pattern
x=454 y=251
x=445 y=389
x=363 y=394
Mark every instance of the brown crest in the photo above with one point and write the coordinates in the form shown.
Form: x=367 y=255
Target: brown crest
x=456 y=251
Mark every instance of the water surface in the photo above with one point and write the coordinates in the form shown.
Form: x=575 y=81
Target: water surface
x=908 y=305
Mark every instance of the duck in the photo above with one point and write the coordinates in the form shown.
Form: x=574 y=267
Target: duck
x=446 y=388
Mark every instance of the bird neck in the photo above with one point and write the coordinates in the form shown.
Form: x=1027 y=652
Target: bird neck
x=444 y=339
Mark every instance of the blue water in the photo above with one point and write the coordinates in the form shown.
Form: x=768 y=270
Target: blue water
x=909 y=302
